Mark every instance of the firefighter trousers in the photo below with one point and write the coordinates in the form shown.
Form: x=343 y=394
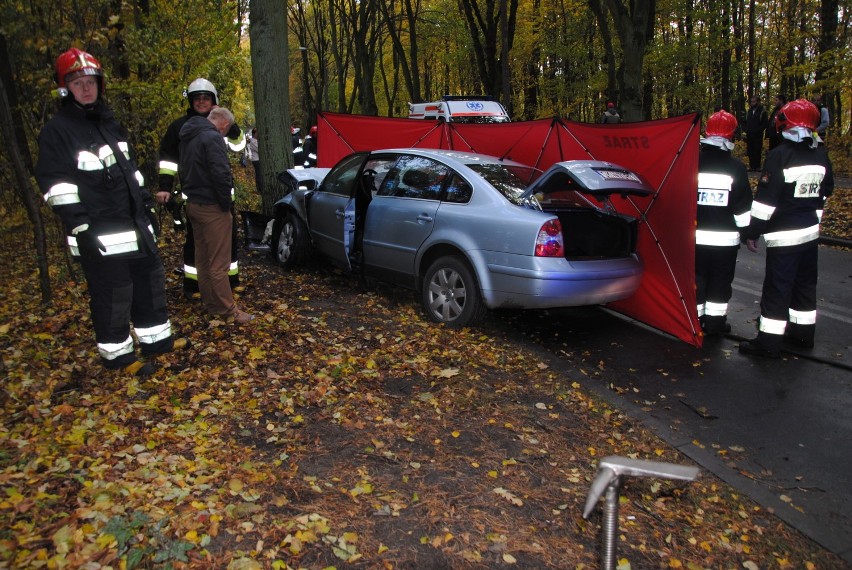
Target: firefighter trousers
x=788 y=301
x=714 y=272
x=125 y=291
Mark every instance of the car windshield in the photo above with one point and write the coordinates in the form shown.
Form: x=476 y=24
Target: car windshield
x=509 y=180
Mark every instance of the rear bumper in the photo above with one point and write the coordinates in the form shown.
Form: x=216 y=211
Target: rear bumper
x=578 y=284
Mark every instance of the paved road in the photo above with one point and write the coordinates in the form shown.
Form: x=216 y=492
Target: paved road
x=778 y=430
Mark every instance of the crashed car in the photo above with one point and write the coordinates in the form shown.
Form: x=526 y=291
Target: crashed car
x=469 y=232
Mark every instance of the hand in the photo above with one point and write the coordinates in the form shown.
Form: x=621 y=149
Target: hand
x=163 y=196
x=89 y=245
x=751 y=244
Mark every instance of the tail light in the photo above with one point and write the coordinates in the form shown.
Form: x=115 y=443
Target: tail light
x=549 y=240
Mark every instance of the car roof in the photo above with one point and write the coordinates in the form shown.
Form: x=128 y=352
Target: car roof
x=453 y=157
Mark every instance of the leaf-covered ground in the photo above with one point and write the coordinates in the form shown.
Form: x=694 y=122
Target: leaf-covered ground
x=340 y=429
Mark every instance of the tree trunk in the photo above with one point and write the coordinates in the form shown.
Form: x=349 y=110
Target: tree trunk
x=271 y=76
x=11 y=125
x=634 y=25
x=609 y=52
x=827 y=56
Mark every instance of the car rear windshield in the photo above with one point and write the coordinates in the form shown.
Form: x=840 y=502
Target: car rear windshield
x=509 y=180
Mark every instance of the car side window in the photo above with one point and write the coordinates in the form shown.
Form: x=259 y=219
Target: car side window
x=378 y=168
x=341 y=180
x=458 y=190
x=415 y=177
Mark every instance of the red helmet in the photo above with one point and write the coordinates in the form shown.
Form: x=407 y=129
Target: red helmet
x=798 y=113
x=313 y=131
x=76 y=63
x=721 y=124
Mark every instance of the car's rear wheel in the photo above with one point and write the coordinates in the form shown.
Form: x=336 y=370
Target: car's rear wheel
x=293 y=245
x=450 y=293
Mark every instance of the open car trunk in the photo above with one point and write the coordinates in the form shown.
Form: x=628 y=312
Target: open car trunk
x=579 y=192
x=593 y=234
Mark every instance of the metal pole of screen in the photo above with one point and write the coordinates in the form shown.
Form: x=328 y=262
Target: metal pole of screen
x=607 y=483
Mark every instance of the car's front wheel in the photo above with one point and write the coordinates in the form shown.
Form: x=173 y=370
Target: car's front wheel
x=293 y=245
x=450 y=293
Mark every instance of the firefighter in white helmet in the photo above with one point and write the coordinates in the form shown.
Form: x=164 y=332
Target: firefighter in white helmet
x=203 y=97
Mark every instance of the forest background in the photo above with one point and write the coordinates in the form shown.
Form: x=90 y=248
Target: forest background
x=277 y=64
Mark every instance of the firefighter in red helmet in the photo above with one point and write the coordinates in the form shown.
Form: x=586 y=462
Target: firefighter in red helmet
x=796 y=181
x=724 y=206
x=89 y=177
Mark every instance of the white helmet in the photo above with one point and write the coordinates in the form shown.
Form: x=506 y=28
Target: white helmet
x=201 y=85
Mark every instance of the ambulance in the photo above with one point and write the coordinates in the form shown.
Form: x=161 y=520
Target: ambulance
x=460 y=109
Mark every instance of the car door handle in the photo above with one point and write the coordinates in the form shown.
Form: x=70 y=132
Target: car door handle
x=424 y=218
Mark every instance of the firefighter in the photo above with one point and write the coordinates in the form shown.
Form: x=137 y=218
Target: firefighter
x=724 y=206
x=796 y=181
x=89 y=177
x=309 y=148
x=203 y=97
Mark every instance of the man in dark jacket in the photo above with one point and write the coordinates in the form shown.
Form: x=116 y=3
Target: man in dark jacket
x=203 y=97
x=756 y=122
x=90 y=179
x=787 y=207
x=724 y=206
x=208 y=184
x=772 y=134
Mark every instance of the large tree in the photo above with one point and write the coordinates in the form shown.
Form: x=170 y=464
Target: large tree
x=634 y=25
x=271 y=73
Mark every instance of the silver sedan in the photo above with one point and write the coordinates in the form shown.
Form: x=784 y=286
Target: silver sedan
x=469 y=232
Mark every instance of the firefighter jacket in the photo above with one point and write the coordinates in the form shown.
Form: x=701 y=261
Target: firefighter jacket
x=796 y=180
x=170 y=150
x=724 y=196
x=88 y=177
x=205 y=169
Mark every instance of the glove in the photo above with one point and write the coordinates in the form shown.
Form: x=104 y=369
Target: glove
x=89 y=245
x=234 y=132
x=155 y=223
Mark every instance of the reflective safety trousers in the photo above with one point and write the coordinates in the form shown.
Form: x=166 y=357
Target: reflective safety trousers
x=124 y=292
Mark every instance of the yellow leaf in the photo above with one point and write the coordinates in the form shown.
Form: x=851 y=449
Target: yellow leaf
x=675 y=563
x=382 y=548
x=492 y=474
x=509 y=559
x=256 y=353
x=456 y=433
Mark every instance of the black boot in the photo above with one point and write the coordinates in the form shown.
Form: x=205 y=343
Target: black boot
x=716 y=325
x=800 y=336
x=765 y=345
